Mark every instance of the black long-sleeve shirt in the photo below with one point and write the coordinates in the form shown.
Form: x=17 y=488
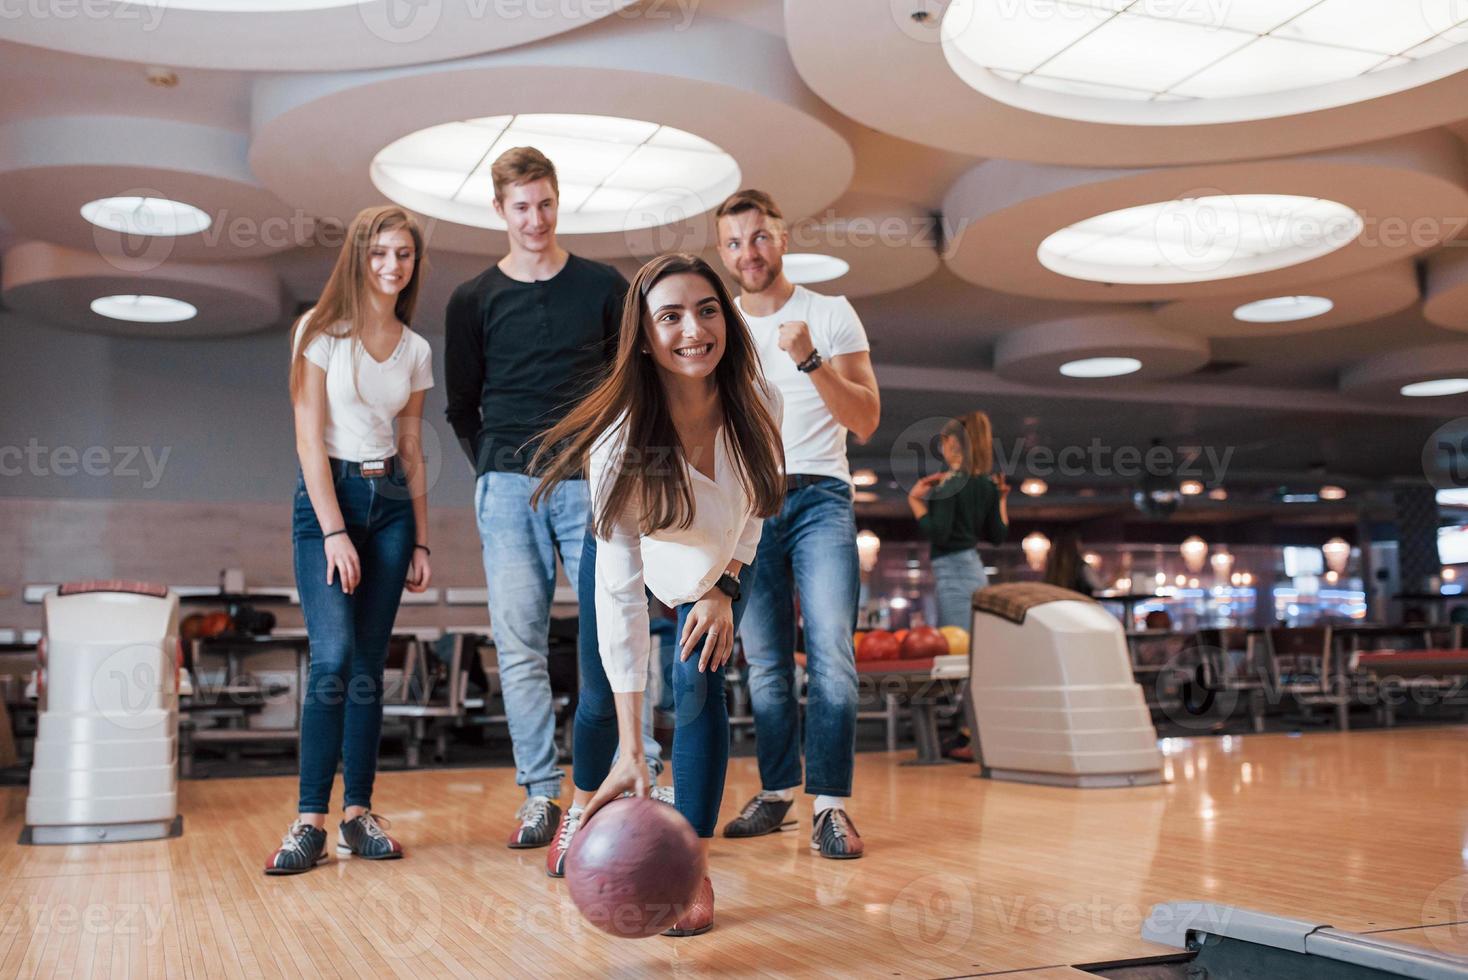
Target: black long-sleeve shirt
x=962 y=511
x=519 y=355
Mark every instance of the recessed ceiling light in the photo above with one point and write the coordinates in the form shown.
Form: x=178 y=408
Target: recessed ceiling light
x=1034 y=487
x=1200 y=239
x=810 y=267
x=155 y=216
x=1282 y=309
x=1100 y=367
x=1190 y=488
x=1332 y=492
x=1440 y=386
x=144 y=309
x=1225 y=59
x=615 y=174
x=1218 y=493
x=864 y=478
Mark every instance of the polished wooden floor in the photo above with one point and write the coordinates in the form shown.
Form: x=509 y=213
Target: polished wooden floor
x=1365 y=831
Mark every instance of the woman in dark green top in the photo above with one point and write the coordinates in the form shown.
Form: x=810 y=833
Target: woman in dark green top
x=958 y=508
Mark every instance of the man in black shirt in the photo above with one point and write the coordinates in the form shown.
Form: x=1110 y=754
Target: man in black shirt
x=526 y=339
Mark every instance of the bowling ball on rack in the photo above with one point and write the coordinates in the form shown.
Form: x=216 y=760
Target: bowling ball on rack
x=879 y=645
x=924 y=643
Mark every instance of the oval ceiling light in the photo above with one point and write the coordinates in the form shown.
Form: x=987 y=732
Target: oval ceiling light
x=1283 y=309
x=1034 y=487
x=1434 y=388
x=803 y=267
x=615 y=174
x=154 y=216
x=1199 y=239
x=1178 y=63
x=144 y=309
x=1100 y=367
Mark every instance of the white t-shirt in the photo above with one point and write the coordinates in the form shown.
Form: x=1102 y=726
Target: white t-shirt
x=359 y=416
x=815 y=443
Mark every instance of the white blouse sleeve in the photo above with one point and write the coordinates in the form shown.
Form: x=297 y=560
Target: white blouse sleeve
x=748 y=545
x=621 y=599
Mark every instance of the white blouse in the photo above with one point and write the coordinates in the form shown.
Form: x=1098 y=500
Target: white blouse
x=679 y=566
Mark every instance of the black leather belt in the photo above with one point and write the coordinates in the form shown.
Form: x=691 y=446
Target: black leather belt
x=369 y=469
x=798 y=481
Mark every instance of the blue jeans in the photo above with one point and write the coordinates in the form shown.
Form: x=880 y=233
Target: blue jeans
x=810 y=548
x=956 y=577
x=341 y=712
x=590 y=763
x=700 y=735
x=520 y=548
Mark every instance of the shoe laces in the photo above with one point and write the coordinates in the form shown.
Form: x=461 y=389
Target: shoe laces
x=835 y=826
x=533 y=810
x=369 y=822
x=295 y=837
x=663 y=794
x=751 y=808
x=569 y=825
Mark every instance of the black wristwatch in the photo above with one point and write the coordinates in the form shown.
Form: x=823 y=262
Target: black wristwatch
x=810 y=363
x=729 y=585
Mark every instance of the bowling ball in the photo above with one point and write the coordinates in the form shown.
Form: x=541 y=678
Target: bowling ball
x=879 y=645
x=634 y=867
x=957 y=638
x=856 y=639
x=924 y=642
x=901 y=635
x=191 y=627
x=216 y=623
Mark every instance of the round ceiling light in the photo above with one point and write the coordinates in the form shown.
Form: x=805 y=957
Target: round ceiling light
x=614 y=174
x=803 y=267
x=1199 y=239
x=1439 y=386
x=1175 y=63
x=144 y=309
x=1100 y=367
x=1283 y=309
x=154 y=216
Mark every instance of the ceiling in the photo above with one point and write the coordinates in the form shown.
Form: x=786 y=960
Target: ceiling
x=937 y=195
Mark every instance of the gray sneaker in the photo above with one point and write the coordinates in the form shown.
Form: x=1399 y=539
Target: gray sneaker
x=760 y=816
x=363 y=837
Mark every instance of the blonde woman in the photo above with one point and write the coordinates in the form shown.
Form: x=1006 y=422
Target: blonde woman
x=360 y=525
x=956 y=509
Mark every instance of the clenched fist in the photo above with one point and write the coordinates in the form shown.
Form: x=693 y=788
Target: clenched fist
x=795 y=340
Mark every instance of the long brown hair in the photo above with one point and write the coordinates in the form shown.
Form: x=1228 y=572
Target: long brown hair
x=344 y=299
x=661 y=494
x=975 y=439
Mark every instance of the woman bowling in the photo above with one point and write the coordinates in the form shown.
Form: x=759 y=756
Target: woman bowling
x=682 y=447
x=956 y=509
x=360 y=527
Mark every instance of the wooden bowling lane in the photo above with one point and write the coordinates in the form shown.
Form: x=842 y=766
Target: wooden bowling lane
x=963 y=877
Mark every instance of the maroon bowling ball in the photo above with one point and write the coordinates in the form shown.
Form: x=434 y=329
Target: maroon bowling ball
x=634 y=867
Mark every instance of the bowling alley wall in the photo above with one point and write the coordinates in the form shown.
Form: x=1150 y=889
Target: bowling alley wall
x=172 y=460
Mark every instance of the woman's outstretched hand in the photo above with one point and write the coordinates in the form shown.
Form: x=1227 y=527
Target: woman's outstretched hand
x=629 y=772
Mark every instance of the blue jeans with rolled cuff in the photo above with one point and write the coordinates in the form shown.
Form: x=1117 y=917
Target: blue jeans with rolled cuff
x=341 y=711
x=520 y=550
x=700 y=734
